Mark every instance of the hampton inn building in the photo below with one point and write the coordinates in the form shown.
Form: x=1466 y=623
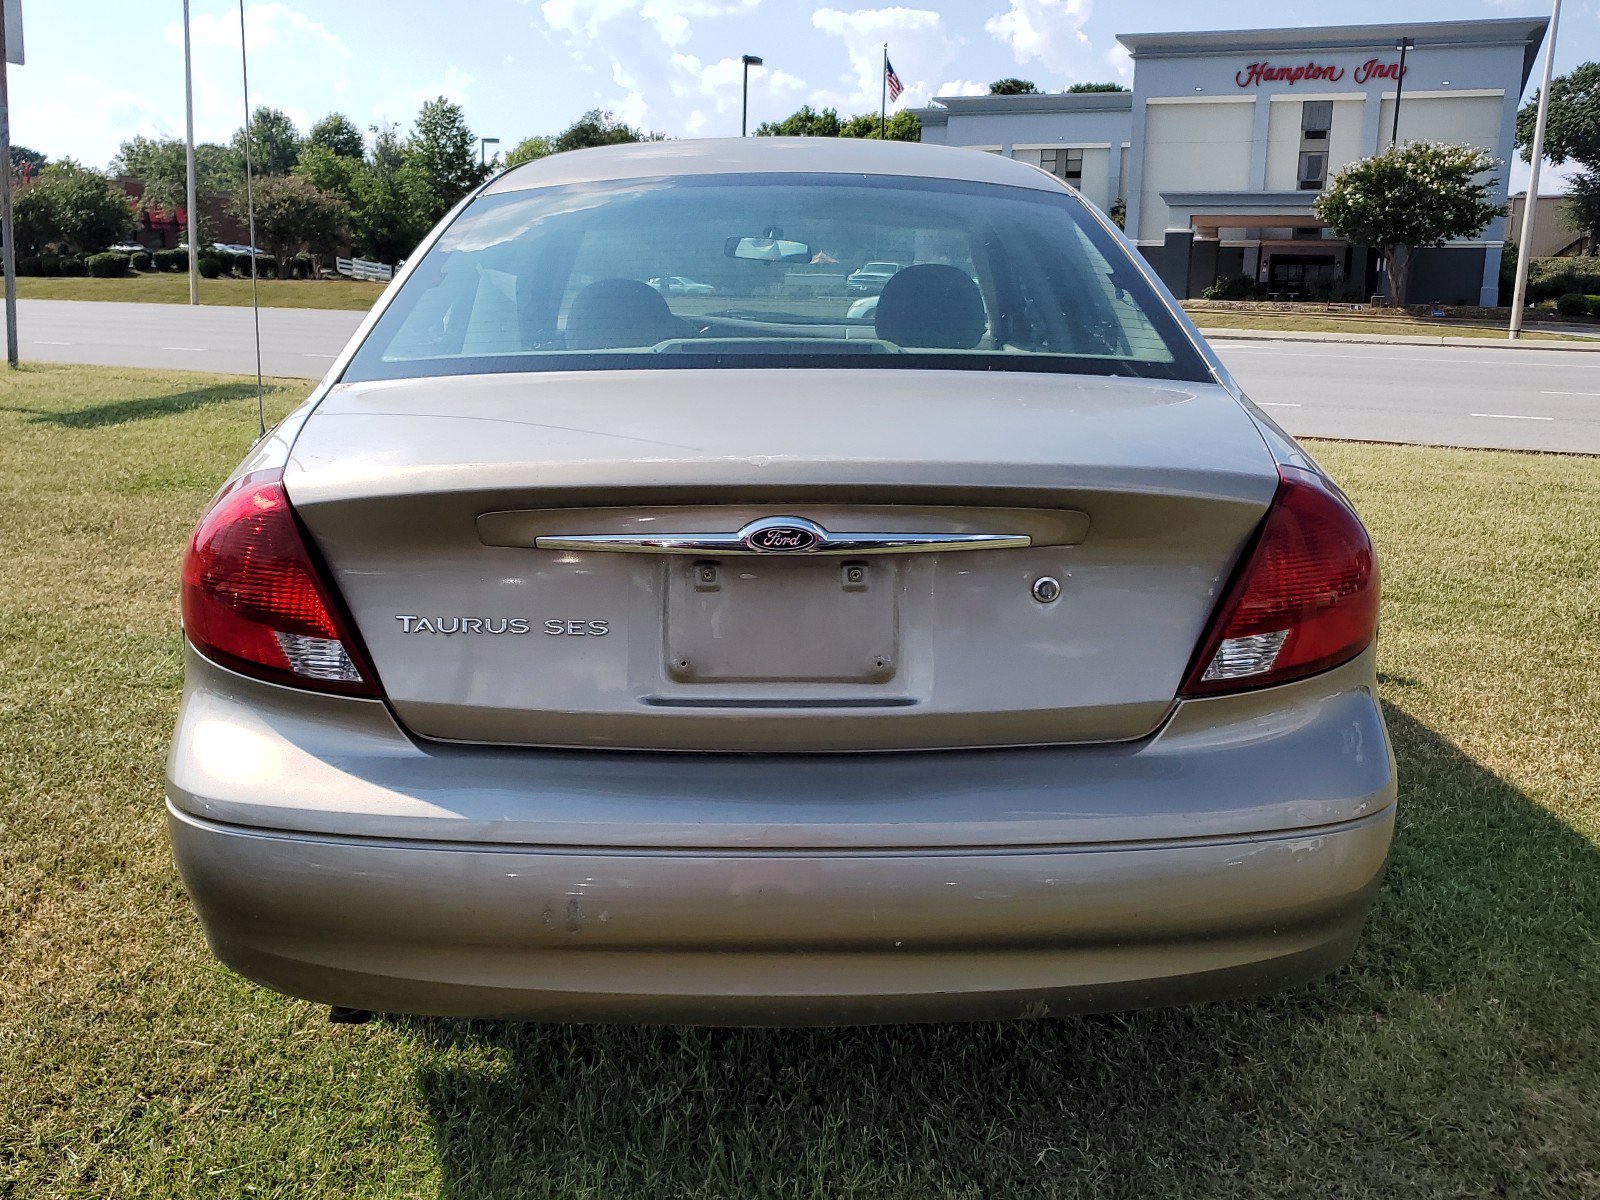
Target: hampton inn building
x=1227 y=139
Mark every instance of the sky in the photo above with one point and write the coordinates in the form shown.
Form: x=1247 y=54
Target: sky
x=101 y=71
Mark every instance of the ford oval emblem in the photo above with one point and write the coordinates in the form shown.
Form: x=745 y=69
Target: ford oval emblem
x=783 y=535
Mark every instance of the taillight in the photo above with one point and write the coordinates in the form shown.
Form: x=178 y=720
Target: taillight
x=254 y=598
x=1304 y=599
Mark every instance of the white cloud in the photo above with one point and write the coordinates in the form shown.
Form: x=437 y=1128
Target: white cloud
x=920 y=47
x=962 y=87
x=1046 y=31
x=266 y=25
x=656 y=81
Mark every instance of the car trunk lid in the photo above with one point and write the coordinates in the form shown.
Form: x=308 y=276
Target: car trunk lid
x=496 y=538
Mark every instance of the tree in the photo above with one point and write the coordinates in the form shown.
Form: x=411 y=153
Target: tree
x=1583 y=207
x=1574 y=128
x=903 y=126
x=1411 y=196
x=74 y=206
x=530 y=148
x=338 y=134
x=441 y=157
x=1011 y=86
x=387 y=223
x=803 y=122
x=274 y=142
x=22 y=154
x=329 y=171
x=597 y=128
x=162 y=166
x=1079 y=88
x=293 y=216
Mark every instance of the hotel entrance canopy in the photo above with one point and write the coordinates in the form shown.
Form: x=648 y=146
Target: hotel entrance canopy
x=1206 y=213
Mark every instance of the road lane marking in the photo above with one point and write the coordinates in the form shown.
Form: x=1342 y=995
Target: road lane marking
x=1557 y=393
x=187 y=349
x=1272 y=348
x=308 y=354
x=39 y=342
x=1275 y=404
x=1511 y=417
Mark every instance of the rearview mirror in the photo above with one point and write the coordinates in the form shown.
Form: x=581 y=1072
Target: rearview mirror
x=765 y=249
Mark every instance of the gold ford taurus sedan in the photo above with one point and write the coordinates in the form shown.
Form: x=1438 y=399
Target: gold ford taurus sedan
x=584 y=652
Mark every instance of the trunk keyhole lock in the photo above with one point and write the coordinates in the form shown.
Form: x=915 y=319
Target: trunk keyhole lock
x=1046 y=590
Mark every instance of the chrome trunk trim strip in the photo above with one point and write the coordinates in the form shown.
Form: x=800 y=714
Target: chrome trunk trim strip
x=782 y=535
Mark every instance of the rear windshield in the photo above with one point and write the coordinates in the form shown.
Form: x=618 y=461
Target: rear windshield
x=790 y=270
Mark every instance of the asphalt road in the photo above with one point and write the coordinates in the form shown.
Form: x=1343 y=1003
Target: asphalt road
x=1447 y=395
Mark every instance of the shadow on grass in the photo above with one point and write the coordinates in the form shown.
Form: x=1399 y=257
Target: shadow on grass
x=138 y=408
x=1412 y=1072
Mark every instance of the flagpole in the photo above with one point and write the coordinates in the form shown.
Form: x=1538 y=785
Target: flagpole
x=883 y=96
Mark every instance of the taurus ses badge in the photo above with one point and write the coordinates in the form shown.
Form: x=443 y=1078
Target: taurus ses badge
x=782 y=535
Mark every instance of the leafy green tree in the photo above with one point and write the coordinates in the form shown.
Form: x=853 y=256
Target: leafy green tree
x=329 y=171
x=338 y=134
x=597 y=128
x=1411 y=196
x=23 y=154
x=274 y=142
x=1011 y=86
x=161 y=165
x=903 y=126
x=293 y=216
x=1080 y=88
x=1574 y=128
x=1583 y=207
x=73 y=206
x=441 y=157
x=530 y=148
x=387 y=219
x=803 y=122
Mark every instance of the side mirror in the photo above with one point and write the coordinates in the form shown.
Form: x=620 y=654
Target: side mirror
x=764 y=249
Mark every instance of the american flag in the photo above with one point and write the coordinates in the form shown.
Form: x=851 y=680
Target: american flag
x=895 y=86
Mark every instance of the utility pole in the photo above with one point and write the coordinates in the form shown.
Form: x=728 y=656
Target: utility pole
x=749 y=60
x=1530 y=205
x=9 y=10
x=1403 y=45
x=193 y=209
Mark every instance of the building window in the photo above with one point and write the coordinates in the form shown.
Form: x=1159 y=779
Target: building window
x=1064 y=164
x=1316 y=119
x=1313 y=171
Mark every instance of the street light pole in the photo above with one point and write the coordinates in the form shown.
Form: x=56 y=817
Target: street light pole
x=482 y=143
x=1403 y=45
x=749 y=60
x=1530 y=204
x=194 y=216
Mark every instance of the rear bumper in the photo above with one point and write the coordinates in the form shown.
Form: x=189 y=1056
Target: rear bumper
x=777 y=938
x=332 y=857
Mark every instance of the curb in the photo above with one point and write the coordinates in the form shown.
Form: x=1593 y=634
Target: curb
x=1392 y=339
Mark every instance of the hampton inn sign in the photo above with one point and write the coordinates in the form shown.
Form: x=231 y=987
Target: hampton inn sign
x=1219 y=151
x=1258 y=73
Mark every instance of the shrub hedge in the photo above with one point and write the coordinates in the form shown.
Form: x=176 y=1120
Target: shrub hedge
x=210 y=266
x=109 y=265
x=1573 y=304
x=75 y=268
x=140 y=261
x=171 y=260
x=1551 y=278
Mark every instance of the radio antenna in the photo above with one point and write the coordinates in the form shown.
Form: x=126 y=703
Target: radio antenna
x=250 y=210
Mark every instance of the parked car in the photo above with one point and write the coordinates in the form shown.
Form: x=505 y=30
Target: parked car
x=863 y=309
x=677 y=285
x=127 y=248
x=872 y=277
x=566 y=657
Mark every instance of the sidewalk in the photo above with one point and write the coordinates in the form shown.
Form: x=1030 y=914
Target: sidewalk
x=1591 y=346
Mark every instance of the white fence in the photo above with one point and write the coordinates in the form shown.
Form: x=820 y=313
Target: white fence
x=360 y=268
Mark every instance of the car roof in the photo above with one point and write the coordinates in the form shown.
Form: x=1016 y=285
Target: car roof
x=716 y=156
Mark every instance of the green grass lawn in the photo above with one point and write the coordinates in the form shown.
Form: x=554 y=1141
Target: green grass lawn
x=1458 y=1056
x=173 y=288
x=1294 y=323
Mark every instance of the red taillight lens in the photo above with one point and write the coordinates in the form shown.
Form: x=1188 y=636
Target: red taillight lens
x=1306 y=598
x=254 y=599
